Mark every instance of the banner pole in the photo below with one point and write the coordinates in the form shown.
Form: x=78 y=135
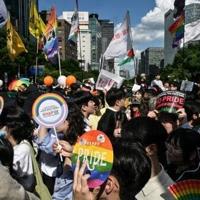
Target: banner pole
x=36 y=61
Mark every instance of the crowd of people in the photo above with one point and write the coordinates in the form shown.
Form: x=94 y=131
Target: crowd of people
x=152 y=149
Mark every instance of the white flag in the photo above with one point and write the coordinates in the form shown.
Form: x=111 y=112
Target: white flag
x=121 y=41
x=3 y=14
x=192 y=28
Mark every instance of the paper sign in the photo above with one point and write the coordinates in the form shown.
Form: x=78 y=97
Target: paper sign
x=95 y=148
x=170 y=101
x=187 y=86
x=49 y=110
x=107 y=80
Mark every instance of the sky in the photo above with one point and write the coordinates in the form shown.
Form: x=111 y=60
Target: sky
x=147 y=16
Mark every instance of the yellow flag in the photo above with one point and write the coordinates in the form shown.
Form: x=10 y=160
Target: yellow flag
x=36 y=25
x=14 y=43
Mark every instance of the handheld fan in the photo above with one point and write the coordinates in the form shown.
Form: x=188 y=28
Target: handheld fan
x=186 y=190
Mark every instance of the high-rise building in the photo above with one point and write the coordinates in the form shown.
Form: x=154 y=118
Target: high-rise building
x=169 y=52
x=67 y=50
x=95 y=29
x=107 y=32
x=19 y=12
x=152 y=60
x=192 y=12
x=84 y=38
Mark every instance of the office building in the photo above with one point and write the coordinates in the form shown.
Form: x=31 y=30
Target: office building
x=67 y=50
x=84 y=38
x=107 y=32
x=152 y=60
x=169 y=52
x=192 y=13
x=95 y=29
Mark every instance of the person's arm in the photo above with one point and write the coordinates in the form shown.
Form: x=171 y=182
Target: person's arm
x=45 y=140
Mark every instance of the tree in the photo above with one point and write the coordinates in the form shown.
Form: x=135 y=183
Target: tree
x=26 y=60
x=186 y=64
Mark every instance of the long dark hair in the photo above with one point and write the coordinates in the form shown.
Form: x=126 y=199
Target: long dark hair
x=76 y=124
x=6 y=154
x=18 y=123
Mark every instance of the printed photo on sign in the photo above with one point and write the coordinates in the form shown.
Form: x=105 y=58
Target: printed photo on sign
x=107 y=80
x=95 y=148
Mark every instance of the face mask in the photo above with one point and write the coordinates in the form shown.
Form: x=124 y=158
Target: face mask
x=2 y=133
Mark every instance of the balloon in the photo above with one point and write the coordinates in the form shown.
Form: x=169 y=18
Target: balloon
x=48 y=80
x=62 y=81
x=1 y=83
x=70 y=80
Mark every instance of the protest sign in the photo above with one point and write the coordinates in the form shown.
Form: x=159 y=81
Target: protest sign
x=95 y=148
x=170 y=101
x=187 y=86
x=49 y=110
x=107 y=80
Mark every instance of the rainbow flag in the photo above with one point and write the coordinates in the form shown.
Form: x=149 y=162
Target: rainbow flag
x=177 y=24
x=50 y=38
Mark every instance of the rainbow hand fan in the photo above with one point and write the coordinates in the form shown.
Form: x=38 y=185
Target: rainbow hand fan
x=186 y=190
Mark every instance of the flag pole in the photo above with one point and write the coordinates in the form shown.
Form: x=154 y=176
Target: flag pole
x=59 y=63
x=36 y=61
x=79 y=33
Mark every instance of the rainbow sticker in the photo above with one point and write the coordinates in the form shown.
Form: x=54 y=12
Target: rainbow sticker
x=49 y=110
x=95 y=148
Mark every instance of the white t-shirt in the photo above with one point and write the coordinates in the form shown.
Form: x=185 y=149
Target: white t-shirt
x=22 y=165
x=159 y=83
x=156 y=188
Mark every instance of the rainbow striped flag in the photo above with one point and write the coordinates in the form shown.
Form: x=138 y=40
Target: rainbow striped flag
x=50 y=40
x=177 y=24
x=177 y=29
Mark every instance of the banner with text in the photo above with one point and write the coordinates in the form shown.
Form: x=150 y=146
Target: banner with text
x=170 y=101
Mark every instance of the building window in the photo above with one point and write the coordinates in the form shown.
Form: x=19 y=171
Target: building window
x=59 y=24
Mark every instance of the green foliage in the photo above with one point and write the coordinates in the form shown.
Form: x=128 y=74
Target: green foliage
x=25 y=60
x=185 y=65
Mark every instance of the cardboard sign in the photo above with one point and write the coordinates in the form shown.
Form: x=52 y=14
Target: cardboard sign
x=107 y=80
x=170 y=101
x=49 y=110
x=95 y=148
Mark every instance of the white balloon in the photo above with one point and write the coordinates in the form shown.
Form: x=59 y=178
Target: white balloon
x=62 y=81
x=1 y=83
